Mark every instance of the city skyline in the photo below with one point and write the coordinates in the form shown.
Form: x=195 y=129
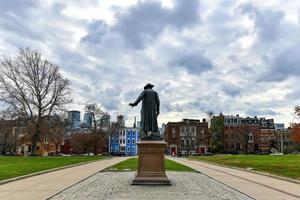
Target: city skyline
x=236 y=57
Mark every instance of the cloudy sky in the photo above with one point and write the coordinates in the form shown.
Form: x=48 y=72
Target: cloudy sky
x=222 y=56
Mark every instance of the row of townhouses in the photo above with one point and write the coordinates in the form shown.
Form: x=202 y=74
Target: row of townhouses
x=221 y=134
x=235 y=134
x=228 y=134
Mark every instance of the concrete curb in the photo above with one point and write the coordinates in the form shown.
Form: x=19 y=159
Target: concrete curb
x=251 y=171
x=47 y=171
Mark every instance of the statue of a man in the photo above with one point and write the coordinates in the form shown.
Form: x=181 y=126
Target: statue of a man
x=149 y=113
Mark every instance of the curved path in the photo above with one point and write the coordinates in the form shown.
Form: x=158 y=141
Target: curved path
x=255 y=185
x=46 y=185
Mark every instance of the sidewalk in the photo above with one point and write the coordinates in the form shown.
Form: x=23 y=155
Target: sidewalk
x=257 y=186
x=46 y=185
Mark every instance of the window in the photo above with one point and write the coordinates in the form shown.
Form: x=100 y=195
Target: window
x=181 y=128
x=128 y=149
x=193 y=129
x=133 y=133
x=193 y=143
x=202 y=133
x=250 y=137
x=182 y=144
x=133 y=149
x=120 y=141
x=187 y=129
x=123 y=141
x=133 y=141
x=128 y=133
x=173 y=133
x=128 y=141
x=112 y=140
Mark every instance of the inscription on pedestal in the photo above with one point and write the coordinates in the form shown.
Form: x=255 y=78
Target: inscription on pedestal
x=151 y=164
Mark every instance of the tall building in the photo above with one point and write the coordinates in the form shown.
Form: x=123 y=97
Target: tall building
x=190 y=136
x=74 y=119
x=120 y=120
x=105 y=122
x=88 y=120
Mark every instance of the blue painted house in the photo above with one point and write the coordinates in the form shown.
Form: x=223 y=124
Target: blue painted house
x=132 y=136
x=114 y=144
x=123 y=141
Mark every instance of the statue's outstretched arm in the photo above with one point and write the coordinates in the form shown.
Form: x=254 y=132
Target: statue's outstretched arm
x=137 y=101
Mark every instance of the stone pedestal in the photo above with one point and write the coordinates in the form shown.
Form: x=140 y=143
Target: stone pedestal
x=151 y=164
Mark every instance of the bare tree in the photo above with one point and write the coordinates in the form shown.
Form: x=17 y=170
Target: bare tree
x=98 y=135
x=33 y=88
x=244 y=132
x=297 y=111
x=56 y=131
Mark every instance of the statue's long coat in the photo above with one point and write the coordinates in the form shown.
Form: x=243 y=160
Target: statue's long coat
x=150 y=108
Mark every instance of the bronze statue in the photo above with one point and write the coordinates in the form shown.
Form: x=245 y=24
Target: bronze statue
x=149 y=113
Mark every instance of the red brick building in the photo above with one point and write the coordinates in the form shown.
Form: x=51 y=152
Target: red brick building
x=189 y=136
x=248 y=135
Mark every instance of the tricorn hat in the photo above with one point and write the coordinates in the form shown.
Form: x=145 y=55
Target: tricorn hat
x=149 y=85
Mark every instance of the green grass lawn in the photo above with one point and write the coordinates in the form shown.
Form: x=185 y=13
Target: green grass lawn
x=131 y=165
x=11 y=166
x=286 y=165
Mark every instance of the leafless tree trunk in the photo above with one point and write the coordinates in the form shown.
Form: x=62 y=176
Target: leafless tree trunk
x=32 y=88
x=98 y=134
x=56 y=131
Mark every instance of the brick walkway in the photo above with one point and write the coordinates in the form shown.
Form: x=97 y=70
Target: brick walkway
x=116 y=185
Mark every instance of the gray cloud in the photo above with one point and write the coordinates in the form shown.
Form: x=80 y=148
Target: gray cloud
x=96 y=30
x=284 y=64
x=143 y=22
x=110 y=98
x=192 y=62
x=261 y=112
x=231 y=90
x=16 y=8
x=268 y=22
